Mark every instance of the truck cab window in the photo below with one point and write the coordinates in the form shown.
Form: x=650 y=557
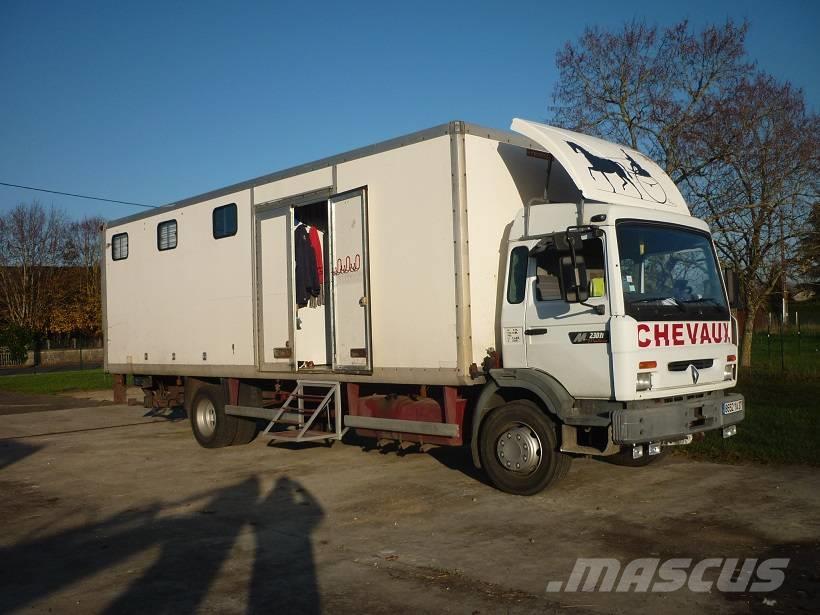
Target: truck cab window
x=517 y=279
x=669 y=273
x=547 y=271
x=593 y=251
x=547 y=282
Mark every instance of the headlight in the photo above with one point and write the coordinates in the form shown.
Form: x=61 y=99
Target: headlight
x=729 y=371
x=643 y=382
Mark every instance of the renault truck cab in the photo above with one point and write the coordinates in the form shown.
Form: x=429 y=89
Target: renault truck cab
x=615 y=312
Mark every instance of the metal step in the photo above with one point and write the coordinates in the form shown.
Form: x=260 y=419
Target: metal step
x=304 y=418
x=292 y=417
x=308 y=397
x=309 y=435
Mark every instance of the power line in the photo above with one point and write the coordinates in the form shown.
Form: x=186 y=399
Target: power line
x=79 y=196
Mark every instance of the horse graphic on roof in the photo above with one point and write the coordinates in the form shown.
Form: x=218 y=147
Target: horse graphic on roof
x=605 y=167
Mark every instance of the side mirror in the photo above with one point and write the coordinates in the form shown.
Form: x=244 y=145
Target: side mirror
x=574 y=282
x=732 y=289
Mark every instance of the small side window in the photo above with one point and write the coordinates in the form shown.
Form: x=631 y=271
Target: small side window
x=119 y=246
x=225 y=221
x=167 y=235
x=547 y=282
x=517 y=280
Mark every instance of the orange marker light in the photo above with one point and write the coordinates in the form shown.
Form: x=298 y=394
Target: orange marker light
x=731 y=358
x=647 y=365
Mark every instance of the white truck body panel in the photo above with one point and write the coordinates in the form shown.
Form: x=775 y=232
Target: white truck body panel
x=437 y=205
x=410 y=234
x=169 y=307
x=494 y=198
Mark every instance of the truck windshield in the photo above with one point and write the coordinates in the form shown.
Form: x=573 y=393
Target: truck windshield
x=669 y=273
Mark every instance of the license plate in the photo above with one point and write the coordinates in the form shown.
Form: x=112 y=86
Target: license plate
x=730 y=407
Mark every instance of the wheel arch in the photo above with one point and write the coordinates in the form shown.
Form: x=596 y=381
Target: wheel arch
x=505 y=385
x=192 y=385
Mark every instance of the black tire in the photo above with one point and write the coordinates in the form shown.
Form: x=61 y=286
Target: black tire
x=624 y=458
x=540 y=430
x=211 y=426
x=246 y=431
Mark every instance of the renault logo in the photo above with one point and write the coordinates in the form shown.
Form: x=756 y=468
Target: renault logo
x=695 y=374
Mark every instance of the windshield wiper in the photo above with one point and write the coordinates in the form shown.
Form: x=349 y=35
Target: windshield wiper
x=675 y=302
x=711 y=300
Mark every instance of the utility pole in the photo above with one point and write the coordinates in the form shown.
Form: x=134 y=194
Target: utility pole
x=784 y=308
x=784 y=314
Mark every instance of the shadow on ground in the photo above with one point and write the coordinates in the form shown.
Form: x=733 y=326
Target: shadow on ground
x=173 y=414
x=12 y=451
x=460 y=459
x=193 y=547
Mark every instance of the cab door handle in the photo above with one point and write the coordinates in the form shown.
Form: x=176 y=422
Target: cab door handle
x=535 y=331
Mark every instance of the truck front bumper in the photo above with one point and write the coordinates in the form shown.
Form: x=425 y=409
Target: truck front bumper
x=655 y=421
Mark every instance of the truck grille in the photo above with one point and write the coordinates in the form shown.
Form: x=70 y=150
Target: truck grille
x=682 y=366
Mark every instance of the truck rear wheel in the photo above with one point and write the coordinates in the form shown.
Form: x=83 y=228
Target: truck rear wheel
x=519 y=449
x=211 y=426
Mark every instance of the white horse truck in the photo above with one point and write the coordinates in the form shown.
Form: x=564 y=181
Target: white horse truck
x=533 y=294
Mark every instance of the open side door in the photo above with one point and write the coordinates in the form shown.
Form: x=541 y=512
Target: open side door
x=350 y=283
x=605 y=171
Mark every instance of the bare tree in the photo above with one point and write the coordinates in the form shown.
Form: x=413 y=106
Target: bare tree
x=741 y=146
x=80 y=310
x=758 y=196
x=33 y=245
x=85 y=248
x=809 y=275
x=650 y=89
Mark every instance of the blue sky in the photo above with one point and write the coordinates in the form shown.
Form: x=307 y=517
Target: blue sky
x=155 y=101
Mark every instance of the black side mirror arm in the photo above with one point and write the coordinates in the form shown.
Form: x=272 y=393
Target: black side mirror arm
x=599 y=309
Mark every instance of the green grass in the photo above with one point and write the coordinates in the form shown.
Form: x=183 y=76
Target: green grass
x=801 y=354
x=782 y=424
x=57 y=382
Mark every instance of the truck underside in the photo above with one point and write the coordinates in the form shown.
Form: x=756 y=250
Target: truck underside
x=521 y=427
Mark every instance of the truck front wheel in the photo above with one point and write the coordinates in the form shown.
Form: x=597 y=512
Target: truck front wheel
x=519 y=449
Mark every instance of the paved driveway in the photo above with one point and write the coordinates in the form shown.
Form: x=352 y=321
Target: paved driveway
x=119 y=512
x=23 y=403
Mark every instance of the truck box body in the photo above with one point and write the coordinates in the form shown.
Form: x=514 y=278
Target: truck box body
x=434 y=207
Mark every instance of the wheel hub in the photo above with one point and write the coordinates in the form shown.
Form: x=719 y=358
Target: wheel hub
x=206 y=417
x=519 y=449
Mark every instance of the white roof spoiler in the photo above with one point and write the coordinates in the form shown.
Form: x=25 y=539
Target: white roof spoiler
x=605 y=171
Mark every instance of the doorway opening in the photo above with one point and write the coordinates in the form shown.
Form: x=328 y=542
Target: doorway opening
x=313 y=341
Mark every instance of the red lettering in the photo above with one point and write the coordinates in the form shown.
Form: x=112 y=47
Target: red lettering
x=677 y=334
x=643 y=343
x=726 y=338
x=704 y=334
x=716 y=333
x=661 y=333
x=692 y=332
